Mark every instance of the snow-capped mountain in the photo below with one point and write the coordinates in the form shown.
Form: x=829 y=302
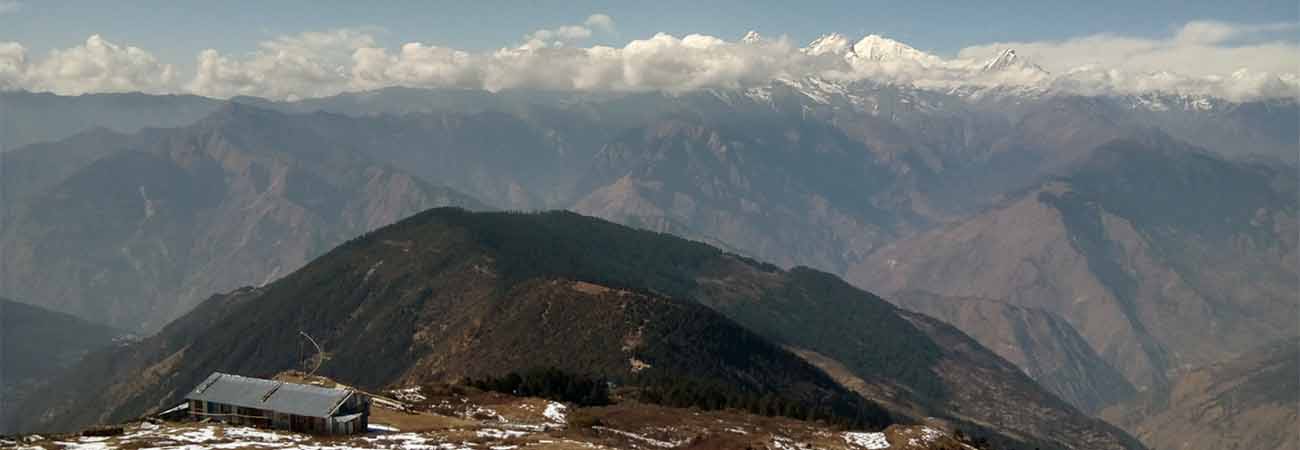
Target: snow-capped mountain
x=872 y=48
x=830 y=44
x=879 y=59
x=1007 y=59
x=877 y=48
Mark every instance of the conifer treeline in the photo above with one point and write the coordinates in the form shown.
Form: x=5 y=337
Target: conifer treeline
x=711 y=396
x=550 y=383
x=555 y=384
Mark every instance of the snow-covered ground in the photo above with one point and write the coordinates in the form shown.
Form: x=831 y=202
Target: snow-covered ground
x=493 y=422
x=152 y=436
x=148 y=436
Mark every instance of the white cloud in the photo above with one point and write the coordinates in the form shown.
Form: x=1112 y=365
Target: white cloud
x=415 y=65
x=1197 y=49
x=309 y=64
x=600 y=21
x=1200 y=57
x=13 y=62
x=9 y=6
x=96 y=66
x=1214 y=32
x=1227 y=60
x=568 y=34
x=564 y=33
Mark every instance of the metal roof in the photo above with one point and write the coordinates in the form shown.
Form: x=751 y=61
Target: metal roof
x=290 y=398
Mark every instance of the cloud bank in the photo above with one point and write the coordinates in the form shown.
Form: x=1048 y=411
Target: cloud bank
x=1233 y=61
x=95 y=66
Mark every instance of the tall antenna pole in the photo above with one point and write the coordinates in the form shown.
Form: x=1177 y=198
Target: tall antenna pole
x=320 y=354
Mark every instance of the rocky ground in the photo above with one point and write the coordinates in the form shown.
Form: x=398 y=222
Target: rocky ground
x=446 y=418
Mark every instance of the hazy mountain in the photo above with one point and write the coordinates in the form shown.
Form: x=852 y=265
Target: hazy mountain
x=35 y=346
x=1249 y=402
x=449 y=293
x=1268 y=128
x=1042 y=344
x=791 y=193
x=28 y=118
x=1258 y=127
x=135 y=230
x=1163 y=257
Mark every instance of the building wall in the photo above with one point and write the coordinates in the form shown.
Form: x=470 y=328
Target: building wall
x=357 y=403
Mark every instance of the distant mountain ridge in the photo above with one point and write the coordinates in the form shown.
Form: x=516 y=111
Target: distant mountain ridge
x=1264 y=126
x=1162 y=256
x=30 y=118
x=135 y=230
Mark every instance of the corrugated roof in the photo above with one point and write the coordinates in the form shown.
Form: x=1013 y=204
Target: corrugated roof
x=297 y=399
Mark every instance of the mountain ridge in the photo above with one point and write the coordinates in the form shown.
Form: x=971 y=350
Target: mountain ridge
x=1112 y=239
x=147 y=216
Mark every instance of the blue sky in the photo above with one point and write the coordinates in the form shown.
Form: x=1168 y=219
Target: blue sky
x=177 y=30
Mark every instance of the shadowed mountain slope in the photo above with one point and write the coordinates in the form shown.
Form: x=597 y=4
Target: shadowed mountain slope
x=35 y=346
x=1040 y=343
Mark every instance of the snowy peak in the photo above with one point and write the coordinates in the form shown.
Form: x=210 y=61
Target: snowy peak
x=830 y=44
x=874 y=48
x=1007 y=59
x=878 y=48
x=752 y=37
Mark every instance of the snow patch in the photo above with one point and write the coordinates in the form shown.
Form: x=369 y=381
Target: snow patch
x=557 y=413
x=495 y=433
x=638 y=437
x=872 y=441
x=260 y=435
x=370 y=273
x=783 y=443
x=928 y=436
x=412 y=394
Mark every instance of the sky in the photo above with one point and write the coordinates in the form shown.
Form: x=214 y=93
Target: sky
x=171 y=41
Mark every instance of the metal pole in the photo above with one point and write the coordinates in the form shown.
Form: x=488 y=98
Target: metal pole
x=320 y=354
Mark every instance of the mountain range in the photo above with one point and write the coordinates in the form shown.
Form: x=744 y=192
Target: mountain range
x=1084 y=239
